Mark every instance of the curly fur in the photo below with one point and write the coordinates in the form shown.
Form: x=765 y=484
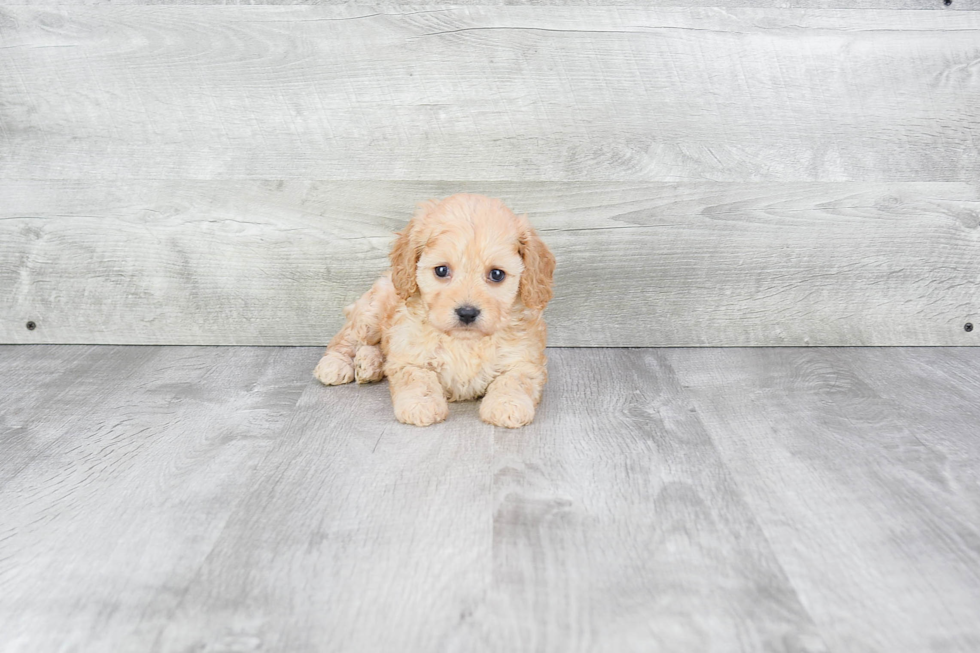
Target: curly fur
x=406 y=327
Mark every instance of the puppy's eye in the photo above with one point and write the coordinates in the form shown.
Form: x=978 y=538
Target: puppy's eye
x=497 y=275
x=442 y=271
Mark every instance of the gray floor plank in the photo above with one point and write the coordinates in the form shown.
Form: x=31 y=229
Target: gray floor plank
x=861 y=467
x=361 y=535
x=219 y=499
x=617 y=527
x=102 y=531
x=47 y=391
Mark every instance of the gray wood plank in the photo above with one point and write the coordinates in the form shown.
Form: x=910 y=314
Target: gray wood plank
x=618 y=528
x=32 y=378
x=489 y=93
x=183 y=512
x=861 y=467
x=674 y=500
x=957 y=5
x=639 y=264
x=360 y=534
x=133 y=480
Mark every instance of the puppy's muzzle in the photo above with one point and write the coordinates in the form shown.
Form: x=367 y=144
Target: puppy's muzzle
x=467 y=314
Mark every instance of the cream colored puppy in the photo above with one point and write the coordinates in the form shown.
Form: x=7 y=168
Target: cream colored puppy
x=457 y=317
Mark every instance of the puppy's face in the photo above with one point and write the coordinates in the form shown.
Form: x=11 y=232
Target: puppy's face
x=472 y=261
x=468 y=277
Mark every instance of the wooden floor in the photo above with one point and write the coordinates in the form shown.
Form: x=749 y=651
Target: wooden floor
x=219 y=499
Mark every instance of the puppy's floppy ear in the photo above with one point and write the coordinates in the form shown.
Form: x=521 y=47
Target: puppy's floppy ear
x=404 y=258
x=405 y=252
x=539 y=269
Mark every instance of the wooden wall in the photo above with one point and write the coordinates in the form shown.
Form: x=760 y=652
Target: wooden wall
x=192 y=173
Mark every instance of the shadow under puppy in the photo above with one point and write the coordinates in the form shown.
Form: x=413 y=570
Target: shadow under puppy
x=458 y=316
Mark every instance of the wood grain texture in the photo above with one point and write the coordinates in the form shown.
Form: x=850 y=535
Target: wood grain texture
x=218 y=499
x=489 y=93
x=957 y=5
x=272 y=263
x=122 y=482
x=199 y=523
x=358 y=534
x=33 y=378
x=618 y=528
x=861 y=466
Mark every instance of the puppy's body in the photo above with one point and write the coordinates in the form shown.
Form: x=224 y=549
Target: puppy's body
x=465 y=368
x=418 y=328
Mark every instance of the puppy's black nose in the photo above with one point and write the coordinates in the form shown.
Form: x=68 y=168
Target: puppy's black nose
x=468 y=314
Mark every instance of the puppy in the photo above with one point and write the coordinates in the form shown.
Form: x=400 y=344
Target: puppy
x=457 y=317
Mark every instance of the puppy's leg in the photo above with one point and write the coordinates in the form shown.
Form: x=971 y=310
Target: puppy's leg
x=417 y=396
x=512 y=396
x=337 y=365
x=369 y=364
x=343 y=360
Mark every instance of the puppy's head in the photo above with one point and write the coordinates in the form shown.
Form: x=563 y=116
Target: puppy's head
x=472 y=261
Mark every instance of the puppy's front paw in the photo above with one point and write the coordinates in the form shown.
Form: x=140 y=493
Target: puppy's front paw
x=507 y=409
x=421 y=410
x=368 y=364
x=334 y=369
